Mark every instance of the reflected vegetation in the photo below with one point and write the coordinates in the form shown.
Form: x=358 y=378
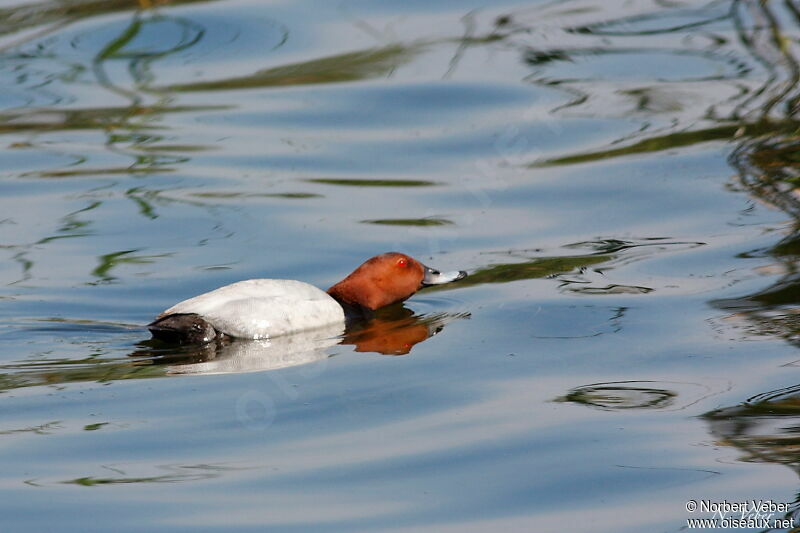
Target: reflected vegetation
x=136 y=130
x=130 y=130
x=339 y=68
x=768 y=170
x=423 y=222
x=572 y=271
x=112 y=260
x=753 y=109
x=235 y=195
x=41 y=429
x=624 y=395
x=371 y=182
x=763 y=429
x=138 y=133
x=130 y=133
x=759 y=116
x=175 y=474
x=15 y=19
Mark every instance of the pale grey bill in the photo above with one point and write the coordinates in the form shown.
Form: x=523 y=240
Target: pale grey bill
x=434 y=277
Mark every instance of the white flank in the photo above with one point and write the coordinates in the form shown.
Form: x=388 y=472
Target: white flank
x=263 y=308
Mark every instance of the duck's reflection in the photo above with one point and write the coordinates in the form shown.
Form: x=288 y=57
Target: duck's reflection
x=238 y=356
x=392 y=331
x=395 y=331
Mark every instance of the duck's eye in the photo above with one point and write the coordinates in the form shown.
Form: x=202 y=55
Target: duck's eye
x=402 y=262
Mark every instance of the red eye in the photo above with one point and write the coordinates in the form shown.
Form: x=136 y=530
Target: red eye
x=402 y=262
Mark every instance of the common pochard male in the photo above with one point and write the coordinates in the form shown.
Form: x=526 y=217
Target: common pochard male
x=265 y=308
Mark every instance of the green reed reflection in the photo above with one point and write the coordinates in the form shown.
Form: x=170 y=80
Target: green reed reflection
x=418 y=222
x=340 y=68
x=759 y=119
x=765 y=31
x=371 y=182
x=139 y=60
x=177 y=474
x=110 y=261
x=132 y=133
x=17 y=18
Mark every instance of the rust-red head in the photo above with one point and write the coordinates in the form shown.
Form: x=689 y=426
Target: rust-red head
x=386 y=279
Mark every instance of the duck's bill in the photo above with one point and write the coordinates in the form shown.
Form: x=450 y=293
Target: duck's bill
x=434 y=277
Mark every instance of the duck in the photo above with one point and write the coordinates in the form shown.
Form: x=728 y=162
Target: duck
x=266 y=308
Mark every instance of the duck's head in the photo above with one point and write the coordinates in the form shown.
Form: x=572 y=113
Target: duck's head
x=386 y=279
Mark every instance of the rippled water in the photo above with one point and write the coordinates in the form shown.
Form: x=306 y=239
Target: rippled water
x=618 y=177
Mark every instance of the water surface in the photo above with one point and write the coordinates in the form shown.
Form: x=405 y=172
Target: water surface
x=619 y=178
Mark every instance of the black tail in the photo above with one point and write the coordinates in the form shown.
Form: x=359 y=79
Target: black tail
x=182 y=328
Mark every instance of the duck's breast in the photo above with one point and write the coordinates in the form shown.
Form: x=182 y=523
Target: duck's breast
x=263 y=308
